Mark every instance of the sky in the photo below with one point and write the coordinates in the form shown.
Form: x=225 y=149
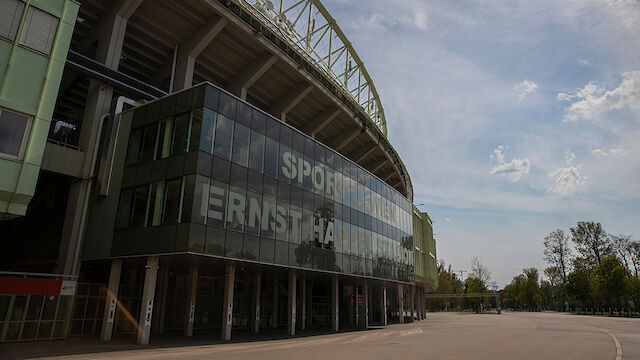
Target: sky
x=513 y=118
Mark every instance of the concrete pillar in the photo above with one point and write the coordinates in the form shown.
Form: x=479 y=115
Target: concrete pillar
x=412 y=303
x=365 y=293
x=192 y=288
x=227 y=302
x=110 y=33
x=400 y=305
x=335 y=294
x=303 y=303
x=163 y=278
x=148 y=295
x=255 y=307
x=291 y=304
x=111 y=300
x=274 y=313
x=383 y=306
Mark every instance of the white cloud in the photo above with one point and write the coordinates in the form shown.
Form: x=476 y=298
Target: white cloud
x=524 y=88
x=515 y=168
x=593 y=100
x=447 y=219
x=567 y=180
x=570 y=157
x=420 y=19
x=599 y=153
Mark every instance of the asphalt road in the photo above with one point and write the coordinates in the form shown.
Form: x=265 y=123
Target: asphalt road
x=440 y=336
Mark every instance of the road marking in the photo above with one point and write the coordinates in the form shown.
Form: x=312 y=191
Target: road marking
x=618 y=347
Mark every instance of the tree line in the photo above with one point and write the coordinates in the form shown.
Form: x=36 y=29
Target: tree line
x=589 y=270
x=478 y=281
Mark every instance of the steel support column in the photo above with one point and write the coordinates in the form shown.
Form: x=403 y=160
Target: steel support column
x=335 y=295
x=385 y=318
x=111 y=300
x=192 y=288
x=227 y=302
x=291 y=304
x=400 y=303
x=148 y=295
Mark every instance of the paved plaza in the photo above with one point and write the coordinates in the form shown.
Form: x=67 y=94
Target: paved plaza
x=440 y=336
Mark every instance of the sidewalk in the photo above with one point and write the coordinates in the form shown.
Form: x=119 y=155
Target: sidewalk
x=92 y=345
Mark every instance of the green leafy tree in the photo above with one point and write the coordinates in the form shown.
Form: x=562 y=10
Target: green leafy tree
x=591 y=241
x=530 y=295
x=474 y=285
x=612 y=280
x=579 y=288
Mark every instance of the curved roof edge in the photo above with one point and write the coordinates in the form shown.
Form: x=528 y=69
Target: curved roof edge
x=308 y=28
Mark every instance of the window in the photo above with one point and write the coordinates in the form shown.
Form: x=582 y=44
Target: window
x=39 y=30
x=10 y=17
x=224 y=134
x=13 y=131
x=240 y=154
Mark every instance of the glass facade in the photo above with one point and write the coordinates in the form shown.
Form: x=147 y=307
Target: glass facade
x=207 y=173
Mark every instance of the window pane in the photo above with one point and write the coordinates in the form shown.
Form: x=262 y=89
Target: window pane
x=39 y=30
x=268 y=217
x=284 y=166
x=12 y=129
x=133 y=151
x=243 y=114
x=10 y=18
x=164 y=137
x=155 y=204
x=227 y=105
x=200 y=200
x=148 y=143
x=181 y=134
x=256 y=151
x=295 y=223
x=224 y=132
x=217 y=203
x=124 y=209
x=253 y=213
x=172 y=201
x=282 y=214
x=208 y=130
x=240 y=145
x=139 y=206
x=235 y=208
x=271 y=158
x=188 y=187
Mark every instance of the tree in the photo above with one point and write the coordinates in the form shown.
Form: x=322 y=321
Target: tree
x=634 y=247
x=579 y=288
x=480 y=271
x=591 y=240
x=530 y=295
x=621 y=245
x=612 y=281
x=448 y=283
x=474 y=285
x=557 y=252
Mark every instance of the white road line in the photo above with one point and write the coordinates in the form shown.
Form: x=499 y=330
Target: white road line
x=618 y=347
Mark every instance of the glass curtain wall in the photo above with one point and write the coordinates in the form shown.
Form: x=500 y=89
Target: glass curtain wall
x=254 y=188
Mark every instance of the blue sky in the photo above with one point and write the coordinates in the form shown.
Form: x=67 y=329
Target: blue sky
x=514 y=118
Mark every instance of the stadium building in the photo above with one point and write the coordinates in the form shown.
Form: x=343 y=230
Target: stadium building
x=201 y=166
